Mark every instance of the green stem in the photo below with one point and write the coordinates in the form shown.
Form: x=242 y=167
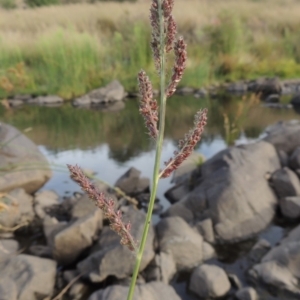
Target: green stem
x=159 y=144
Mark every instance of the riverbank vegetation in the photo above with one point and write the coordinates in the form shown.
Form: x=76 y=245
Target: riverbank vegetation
x=70 y=49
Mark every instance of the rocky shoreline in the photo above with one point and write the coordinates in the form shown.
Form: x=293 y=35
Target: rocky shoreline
x=111 y=97
x=229 y=199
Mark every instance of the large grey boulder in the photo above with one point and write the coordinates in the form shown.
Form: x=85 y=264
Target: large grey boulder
x=209 y=281
x=154 y=290
x=284 y=135
x=280 y=267
x=22 y=165
x=108 y=257
x=176 y=237
x=8 y=289
x=19 y=209
x=31 y=277
x=7 y=248
x=234 y=192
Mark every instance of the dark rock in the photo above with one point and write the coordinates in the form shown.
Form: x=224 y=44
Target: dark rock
x=273 y=98
x=114 y=91
x=290 y=207
x=237 y=87
x=31 y=276
x=266 y=87
x=175 y=236
x=108 y=257
x=185 y=91
x=20 y=210
x=201 y=93
x=283 y=157
x=225 y=196
x=284 y=135
x=177 y=192
x=131 y=183
x=294 y=161
x=17 y=154
x=247 y=293
x=285 y=183
x=41 y=251
x=295 y=101
x=208 y=281
x=43 y=200
x=259 y=250
x=151 y=291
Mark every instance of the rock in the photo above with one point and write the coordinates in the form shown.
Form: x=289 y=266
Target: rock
x=273 y=98
x=114 y=91
x=162 y=268
x=48 y=100
x=102 y=261
x=290 y=207
x=85 y=101
x=110 y=106
x=234 y=280
x=247 y=293
x=283 y=157
x=237 y=87
x=224 y=194
x=154 y=290
x=284 y=135
x=201 y=93
x=176 y=237
x=209 y=281
x=33 y=277
x=73 y=239
x=8 y=289
x=266 y=87
x=208 y=251
x=280 y=266
x=19 y=211
x=295 y=101
x=183 y=173
x=78 y=290
x=17 y=154
x=177 y=192
x=15 y=102
x=294 y=161
x=131 y=183
x=41 y=251
x=43 y=200
x=185 y=91
x=259 y=250
x=8 y=248
x=285 y=183
x=206 y=229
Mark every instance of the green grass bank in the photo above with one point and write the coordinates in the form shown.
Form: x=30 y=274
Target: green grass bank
x=70 y=49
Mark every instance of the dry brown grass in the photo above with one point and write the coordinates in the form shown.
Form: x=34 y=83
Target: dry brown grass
x=93 y=17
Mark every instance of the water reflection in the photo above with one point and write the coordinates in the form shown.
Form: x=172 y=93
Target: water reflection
x=111 y=142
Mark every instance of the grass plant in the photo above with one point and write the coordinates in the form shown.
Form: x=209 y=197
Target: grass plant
x=69 y=50
x=163 y=42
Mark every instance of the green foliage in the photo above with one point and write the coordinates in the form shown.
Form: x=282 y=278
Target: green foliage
x=8 y=4
x=36 y=3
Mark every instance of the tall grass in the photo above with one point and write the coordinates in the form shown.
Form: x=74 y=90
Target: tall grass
x=69 y=50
